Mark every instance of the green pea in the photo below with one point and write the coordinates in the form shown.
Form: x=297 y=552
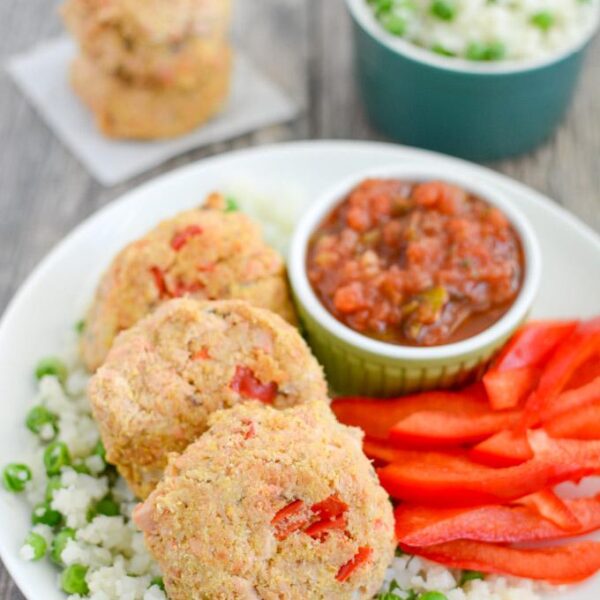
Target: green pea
x=107 y=507
x=51 y=366
x=158 y=582
x=476 y=51
x=393 y=23
x=81 y=468
x=433 y=596
x=470 y=576
x=44 y=514
x=59 y=543
x=492 y=51
x=56 y=456
x=544 y=20
x=383 y=6
x=15 y=477
x=73 y=581
x=54 y=483
x=38 y=417
x=443 y=9
x=495 y=51
x=231 y=205
x=442 y=51
x=80 y=326
x=37 y=543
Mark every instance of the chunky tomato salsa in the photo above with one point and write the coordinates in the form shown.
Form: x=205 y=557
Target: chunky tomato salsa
x=418 y=264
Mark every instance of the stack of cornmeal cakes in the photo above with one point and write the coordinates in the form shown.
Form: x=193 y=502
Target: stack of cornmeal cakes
x=150 y=68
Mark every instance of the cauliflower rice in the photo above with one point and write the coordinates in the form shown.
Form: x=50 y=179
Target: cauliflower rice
x=488 y=30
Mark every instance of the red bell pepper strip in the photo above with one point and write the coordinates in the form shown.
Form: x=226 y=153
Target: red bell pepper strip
x=533 y=344
x=159 y=281
x=382 y=452
x=575 y=414
x=202 y=354
x=438 y=429
x=181 y=238
x=441 y=479
x=581 y=424
x=360 y=558
x=419 y=526
x=246 y=384
x=321 y=529
x=376 y=417
x=558 y=565
x=552 y=508
x=516 y=372
x=505 y=449
x=507 y=389
x=567 y=358
x=289 y=519
x=571 y=400
x=586 y=373
x=330 y=508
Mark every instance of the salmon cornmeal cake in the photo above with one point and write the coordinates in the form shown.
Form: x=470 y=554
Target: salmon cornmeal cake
x=269 y=505
x=208 y=253
x=167 y=374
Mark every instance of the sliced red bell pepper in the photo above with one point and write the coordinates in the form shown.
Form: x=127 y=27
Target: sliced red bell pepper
x=426 y=526
x=330 y=508
x=507 y=389
x=360 y=558
x=586 y=373
x=376 y=417
x=383 y=452
x=571 y=399
x=516 y=372
x=532 y=344
x=564 y=362
x=321 y=529
x=159 y=281
x=575 y=414
x=246 y=384
x=582 y=423
x=441 y=479
x=202 y=354
x=505 y=449
x=289 y=519
x=438 y=429
x=552 y=508
x=181 y=238
x=558 y=565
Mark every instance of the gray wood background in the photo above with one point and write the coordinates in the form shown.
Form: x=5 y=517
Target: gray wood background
x=44 y=191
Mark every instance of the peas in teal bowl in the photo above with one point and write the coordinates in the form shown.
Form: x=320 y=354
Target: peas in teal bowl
x=476 y=106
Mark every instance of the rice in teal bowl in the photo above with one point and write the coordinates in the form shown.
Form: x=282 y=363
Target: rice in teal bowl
x=479 y=79
x=487 y=30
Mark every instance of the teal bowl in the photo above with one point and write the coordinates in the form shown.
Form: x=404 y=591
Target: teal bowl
x=478 y=111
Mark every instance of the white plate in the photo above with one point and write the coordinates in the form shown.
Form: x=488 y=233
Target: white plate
x=54 y=296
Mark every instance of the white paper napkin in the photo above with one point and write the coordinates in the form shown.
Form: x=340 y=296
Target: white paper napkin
x=42 y=75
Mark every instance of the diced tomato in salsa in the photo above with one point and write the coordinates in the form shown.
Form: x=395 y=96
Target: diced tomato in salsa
x=415 y=264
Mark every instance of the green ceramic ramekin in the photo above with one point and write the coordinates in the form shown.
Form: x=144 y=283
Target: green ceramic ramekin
x=356 y=364
x=479 y=111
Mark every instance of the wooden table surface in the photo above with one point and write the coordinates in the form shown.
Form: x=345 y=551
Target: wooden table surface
x=44 y=191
